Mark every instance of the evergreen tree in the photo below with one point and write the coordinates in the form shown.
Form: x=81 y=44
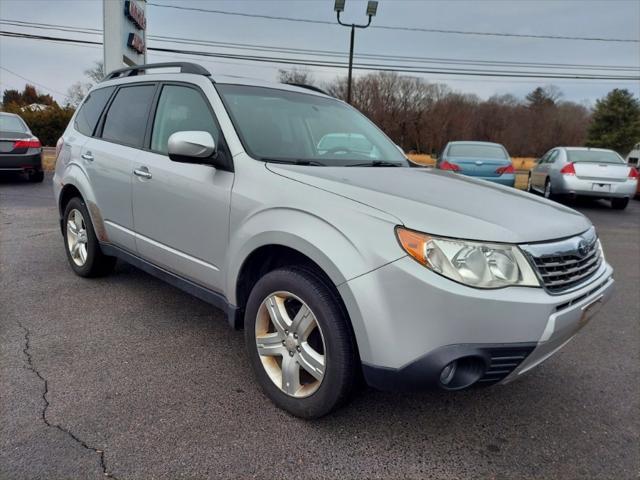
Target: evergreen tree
x=616 y=122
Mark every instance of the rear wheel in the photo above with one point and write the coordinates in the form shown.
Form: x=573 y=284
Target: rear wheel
x=619 y=203
x=299 y=344
x=83 y=251
x=36 y=177
x=547 y=190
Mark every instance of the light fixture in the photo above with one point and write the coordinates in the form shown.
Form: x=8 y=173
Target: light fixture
x=372 y=8
x=339 y=6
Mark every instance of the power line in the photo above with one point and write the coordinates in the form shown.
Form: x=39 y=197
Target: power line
x=32 y=82
x=333 y=53
x=359 y=66
x=318 y=71
x=391 y=27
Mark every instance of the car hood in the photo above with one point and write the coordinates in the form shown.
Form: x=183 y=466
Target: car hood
x=447 y=204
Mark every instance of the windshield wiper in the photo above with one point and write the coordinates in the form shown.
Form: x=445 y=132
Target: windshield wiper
x=376 y=163
x=294 y=161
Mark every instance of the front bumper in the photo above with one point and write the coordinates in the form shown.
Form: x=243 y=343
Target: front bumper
x=410 y=323
x=571 y=185
x=30 y=161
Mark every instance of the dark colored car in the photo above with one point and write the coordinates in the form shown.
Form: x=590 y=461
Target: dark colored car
x=20 y=150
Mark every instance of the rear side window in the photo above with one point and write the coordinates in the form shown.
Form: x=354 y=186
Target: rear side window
x=180 y=109
x=126 y=119
x=90 y=111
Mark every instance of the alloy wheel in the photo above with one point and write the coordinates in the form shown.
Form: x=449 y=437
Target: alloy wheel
x=290 y=344
x=77 y=237
x=547 y=190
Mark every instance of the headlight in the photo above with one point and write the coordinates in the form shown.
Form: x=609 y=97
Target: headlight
x=477 y=264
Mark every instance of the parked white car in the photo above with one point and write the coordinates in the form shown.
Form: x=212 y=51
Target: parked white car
x=581 y=171
x=633 y=157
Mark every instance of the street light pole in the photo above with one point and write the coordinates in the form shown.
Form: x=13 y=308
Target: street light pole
x=372 y=7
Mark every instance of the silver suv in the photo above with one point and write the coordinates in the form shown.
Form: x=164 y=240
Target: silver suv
x=299 y=218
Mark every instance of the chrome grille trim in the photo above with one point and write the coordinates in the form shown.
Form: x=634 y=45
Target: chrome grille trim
x=565 y=264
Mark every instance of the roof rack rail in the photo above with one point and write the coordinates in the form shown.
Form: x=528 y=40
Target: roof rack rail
x=185 y=67
x=308 y=87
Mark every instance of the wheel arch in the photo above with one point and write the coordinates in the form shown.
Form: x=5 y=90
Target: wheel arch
x=76 y=184
x=269 y=257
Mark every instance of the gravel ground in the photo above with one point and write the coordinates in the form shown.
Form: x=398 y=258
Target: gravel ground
x=129 y=377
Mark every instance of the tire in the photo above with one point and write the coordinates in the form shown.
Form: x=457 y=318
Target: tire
x=331 y=338
x=36 y=177
x=529 y=189
x=91 y=263
x=548 y=192
x=619 y=203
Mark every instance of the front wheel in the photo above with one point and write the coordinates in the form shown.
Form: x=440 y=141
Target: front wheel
x=619 y=203
x=299 y=343
x=529 y=187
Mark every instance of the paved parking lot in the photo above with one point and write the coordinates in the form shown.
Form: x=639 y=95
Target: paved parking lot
x=130 y=377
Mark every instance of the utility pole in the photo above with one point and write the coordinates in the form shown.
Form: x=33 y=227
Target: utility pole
x=372 y=7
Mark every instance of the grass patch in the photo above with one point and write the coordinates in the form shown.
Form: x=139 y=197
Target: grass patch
x=48 y=160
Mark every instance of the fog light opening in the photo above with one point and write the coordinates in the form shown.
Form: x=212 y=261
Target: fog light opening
x=462 y=373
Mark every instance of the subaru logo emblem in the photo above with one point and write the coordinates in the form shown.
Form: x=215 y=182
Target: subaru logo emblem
x=583 y=248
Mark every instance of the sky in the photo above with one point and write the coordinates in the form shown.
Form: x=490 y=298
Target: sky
x=53 y=67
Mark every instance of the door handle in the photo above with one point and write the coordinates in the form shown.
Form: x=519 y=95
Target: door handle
x=87 y=156
x=142 y=172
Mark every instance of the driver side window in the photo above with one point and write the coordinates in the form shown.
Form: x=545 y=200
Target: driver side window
x=180 y=109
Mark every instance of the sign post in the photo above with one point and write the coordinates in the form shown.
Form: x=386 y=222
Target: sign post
x=125 y=33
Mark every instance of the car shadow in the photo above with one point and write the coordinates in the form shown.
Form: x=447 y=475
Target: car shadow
x=13 y=178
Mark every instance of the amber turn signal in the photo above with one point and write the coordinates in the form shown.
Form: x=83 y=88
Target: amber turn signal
x=413 y=243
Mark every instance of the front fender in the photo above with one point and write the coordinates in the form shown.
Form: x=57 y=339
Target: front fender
x=342 y=253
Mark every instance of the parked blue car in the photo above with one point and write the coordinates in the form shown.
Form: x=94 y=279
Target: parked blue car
x=485 y=160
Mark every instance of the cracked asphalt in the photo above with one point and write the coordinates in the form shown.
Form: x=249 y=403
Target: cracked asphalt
x=128 y=377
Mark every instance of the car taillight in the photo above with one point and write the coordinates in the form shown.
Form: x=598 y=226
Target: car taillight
x=59 y=145
x=633 y=172
x=506 y=169
x=568 y=169
x=27 y=143
x=444 y=165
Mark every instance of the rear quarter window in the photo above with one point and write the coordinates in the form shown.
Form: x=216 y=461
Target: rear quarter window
x=89 y=113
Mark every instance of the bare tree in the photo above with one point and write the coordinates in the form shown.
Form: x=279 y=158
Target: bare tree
x=79 y=90
x=423 y=116
x=296 y=75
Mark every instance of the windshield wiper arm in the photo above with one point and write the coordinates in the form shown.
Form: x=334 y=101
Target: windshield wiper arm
x=376 y=163
x=294 y=161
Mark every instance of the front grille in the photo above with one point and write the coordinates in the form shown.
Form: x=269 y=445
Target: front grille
x=566 y=264
x=503 y=362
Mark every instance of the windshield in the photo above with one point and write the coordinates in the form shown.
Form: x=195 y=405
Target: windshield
x=9 y=123
x=286 y=126
x=477 y=151
x=594 y=156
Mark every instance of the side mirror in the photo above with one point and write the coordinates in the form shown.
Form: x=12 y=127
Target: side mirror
x=192 y=147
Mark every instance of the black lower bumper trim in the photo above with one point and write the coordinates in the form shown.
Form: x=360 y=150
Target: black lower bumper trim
x=497 y=362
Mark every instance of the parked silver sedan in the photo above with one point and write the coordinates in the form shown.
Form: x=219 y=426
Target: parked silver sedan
x=580 y=171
